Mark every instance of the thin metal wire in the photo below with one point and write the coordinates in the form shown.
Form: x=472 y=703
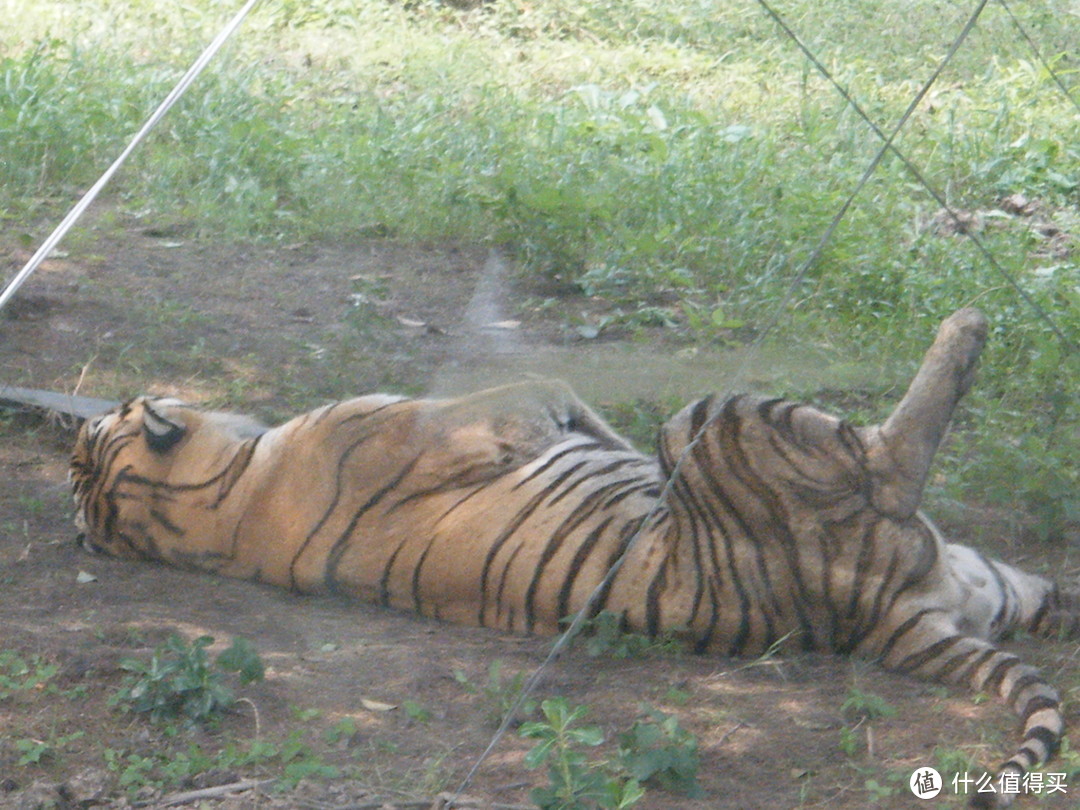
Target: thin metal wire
x=1038 y=55
x=80 y=207
x=938 y=196
x=585 y=612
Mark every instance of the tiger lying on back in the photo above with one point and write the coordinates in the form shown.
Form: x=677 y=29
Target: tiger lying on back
x=506 y=509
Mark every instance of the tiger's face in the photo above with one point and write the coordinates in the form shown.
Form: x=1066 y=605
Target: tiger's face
x=116 y=441
x=143 y=440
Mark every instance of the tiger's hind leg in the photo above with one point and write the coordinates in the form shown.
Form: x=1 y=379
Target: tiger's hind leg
x=997 y=598
x=1000 y=598
x=1060 y=619
x=930 y=646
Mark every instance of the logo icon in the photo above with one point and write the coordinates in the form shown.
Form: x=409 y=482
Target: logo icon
x=925 y=783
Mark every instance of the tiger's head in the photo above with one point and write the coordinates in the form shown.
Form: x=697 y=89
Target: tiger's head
x=143 y=440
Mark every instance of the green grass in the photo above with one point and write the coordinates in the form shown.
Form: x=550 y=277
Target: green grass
x=681 y=151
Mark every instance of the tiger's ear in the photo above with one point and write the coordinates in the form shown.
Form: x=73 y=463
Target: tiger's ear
x=161 y=432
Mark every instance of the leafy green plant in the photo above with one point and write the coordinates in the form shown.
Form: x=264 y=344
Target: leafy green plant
x=850 y=741
x=415 y=711
x=301 y=762
x=500 y=693
x=19 y=674
x=342 y=731
x=879 y=792
x=660 y=750
x=606 y=634
x=33 y=752
x=865 y=705
x=168 y=768
x=179 y=680
x=574 y=782
x=862 y=708
x=132 y=770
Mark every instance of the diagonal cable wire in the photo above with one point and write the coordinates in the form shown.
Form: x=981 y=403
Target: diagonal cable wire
x=659 y=506
x=938 y=196
x=77 y=211
x=1038 y=55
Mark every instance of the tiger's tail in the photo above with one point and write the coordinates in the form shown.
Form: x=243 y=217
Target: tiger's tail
x=1037 y=705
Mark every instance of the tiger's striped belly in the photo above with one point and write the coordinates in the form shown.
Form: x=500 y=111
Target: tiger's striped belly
x=461 y=555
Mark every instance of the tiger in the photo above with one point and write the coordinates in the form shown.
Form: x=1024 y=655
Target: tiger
x=759 y=521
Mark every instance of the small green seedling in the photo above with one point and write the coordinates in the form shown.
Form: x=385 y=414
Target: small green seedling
x=179 y=681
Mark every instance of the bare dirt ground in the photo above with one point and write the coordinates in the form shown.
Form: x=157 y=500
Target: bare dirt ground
x=275 y=330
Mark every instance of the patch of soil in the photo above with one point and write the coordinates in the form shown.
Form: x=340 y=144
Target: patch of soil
x=277 y=329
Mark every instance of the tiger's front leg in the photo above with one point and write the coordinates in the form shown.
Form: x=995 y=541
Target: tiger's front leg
x=532 y=416
x=481 y=436
x=995 y=598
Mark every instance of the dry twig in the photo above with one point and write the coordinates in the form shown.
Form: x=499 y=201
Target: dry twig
x=205 y=793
